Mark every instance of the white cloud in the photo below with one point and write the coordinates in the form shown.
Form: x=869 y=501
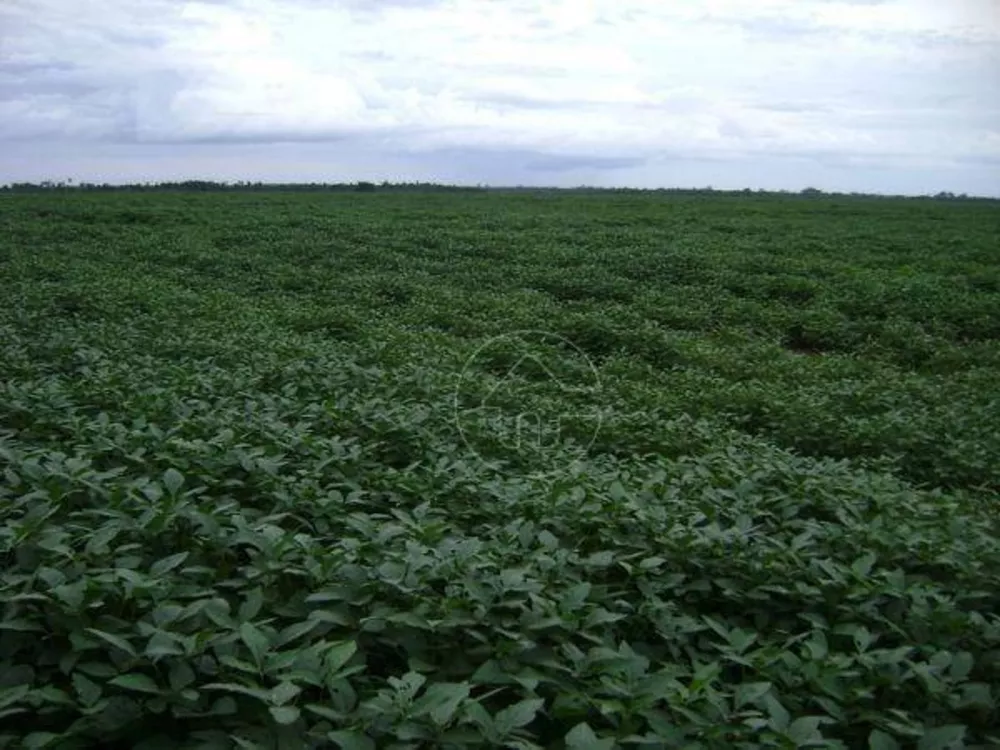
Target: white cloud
x=900 y=84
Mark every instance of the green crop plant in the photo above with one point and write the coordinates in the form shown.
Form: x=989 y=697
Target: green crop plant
x=247 y=499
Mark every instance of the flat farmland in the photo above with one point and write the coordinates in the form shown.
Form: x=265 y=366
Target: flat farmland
x=498 y=469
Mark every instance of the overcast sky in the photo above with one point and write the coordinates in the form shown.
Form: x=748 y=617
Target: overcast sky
x=898 y=96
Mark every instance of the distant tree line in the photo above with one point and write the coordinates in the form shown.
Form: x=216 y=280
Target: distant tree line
x=424 y=187
x=210 y=186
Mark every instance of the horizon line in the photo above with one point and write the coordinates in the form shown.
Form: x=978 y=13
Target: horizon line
x=370 y=186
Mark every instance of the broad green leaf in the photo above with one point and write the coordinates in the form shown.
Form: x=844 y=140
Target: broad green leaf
x=803 y=730
x=164 y=566
x=325 y=712
x=173 y=480
x=351 y=740
x=863 y=565
x=751 y=692
x=879 y=740
x=252 y=605
x=475 y=712
x=409 y=731
x=516 y=716
x=40 y=740
x=285 y=715
x=53 y=695
x=779 y=716
x=240 y=665
x=941 y=660
x=10 y=696
x=741 y=640
x=441 y=700
x=138 y=682
x=548 y=540
x=863 y=638
x=718 y=627
x=102 y=670
x=601 y=559
x=89 y=692
x=582 y=737
x=338 y=655
x=942 y=738
x=601 y=616
x=181 y=675
x=575 y=596
x=409 y=684
x=491 y=673
x=284 y=692
x=232 y=687
x=255 y=640
x=294 y=632
x=977 y=695
x=71 y=594
x=116 y=641
x=961 y=665
x=161 y=645
x=817 y=645
x=325 y=597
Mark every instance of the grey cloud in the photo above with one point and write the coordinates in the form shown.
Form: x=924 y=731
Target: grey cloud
x=31 y=68
x=235 y=137
x=769 y=28
x=382 y=4
x=368 y=10
x=240 y=133
x=930 y=40
x=938 y=119
x=795 y=107
x=984 y=160
x=110 y=84
x=574 y=163
x=502 y=69
x=373 y=56
x=533 y=103
x=12 y=87
x=96 y=115
x=35 y=80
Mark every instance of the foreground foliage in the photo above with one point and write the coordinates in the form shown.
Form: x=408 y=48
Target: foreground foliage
x=238 y=511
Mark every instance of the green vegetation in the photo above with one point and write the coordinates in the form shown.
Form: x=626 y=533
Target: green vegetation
x=243 y=504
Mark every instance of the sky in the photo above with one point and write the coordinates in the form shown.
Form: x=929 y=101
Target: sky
x=882 y=96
